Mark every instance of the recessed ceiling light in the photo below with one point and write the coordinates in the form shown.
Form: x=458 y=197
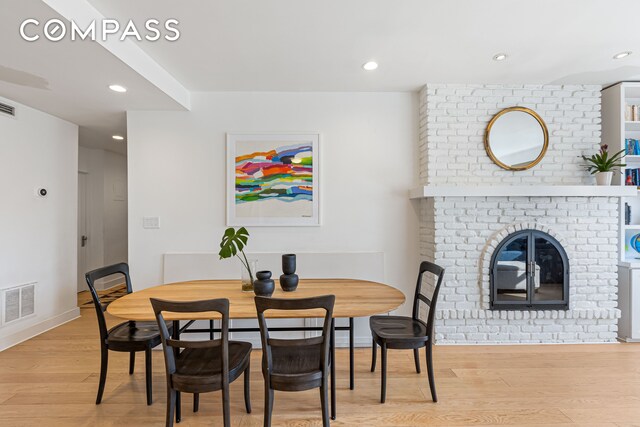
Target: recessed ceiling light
x=500 y=57
x=118 y=88
x=370 y=66
x=622 y=54
x=118 y=137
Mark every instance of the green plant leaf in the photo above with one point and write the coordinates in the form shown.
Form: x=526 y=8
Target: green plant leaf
x=603 y=162
x=233 y=242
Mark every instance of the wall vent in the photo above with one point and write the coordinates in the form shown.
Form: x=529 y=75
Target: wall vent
x=7 y=109
x=18 y=302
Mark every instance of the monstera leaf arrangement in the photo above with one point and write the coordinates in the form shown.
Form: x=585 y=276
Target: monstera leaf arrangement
x=233 y=244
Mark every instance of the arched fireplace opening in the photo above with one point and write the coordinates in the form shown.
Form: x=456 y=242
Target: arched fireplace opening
x=529 y=271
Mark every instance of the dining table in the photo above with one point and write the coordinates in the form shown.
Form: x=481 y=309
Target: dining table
x=353 y=298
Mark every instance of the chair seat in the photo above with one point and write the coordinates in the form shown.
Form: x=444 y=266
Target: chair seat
x=296 y=382
x=199 y=370
x=296 y=367
x=395 y=330
x=128 y=334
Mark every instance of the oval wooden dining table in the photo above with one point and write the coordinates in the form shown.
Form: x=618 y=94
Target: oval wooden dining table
x=354 y=298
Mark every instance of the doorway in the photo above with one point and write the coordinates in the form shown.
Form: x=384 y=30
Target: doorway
x=102 y=215
x=83 y=248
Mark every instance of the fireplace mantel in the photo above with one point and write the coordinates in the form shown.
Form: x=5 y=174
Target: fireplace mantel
x=521 y=190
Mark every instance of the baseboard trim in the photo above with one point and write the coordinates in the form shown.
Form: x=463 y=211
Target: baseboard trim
x=443 y=344
x=626 y=339
x=112 y=283
x=39 y=328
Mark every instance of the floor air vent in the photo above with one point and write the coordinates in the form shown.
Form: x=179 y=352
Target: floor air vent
x=7 y=109
x=18 y=302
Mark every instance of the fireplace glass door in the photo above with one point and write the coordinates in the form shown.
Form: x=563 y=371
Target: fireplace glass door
x=529 y=270
x=511 y=272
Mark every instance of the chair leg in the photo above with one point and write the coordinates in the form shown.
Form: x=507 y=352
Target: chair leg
x=374 y=353
x=226 y=406
x=196 y=402
x=268 y=404
x=176 y=335
x=332 y=368
x=148 y=375
x=132 y=362
x=104 y=361
x=171 y=405
x=383 y=393
x=324 y=403
x=178 y=407
x=432 y=382
x=416 y=357
x=247 y=389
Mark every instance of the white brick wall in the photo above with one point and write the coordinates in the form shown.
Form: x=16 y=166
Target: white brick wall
x=467 y=230
x=460 y=233
x=453 y=119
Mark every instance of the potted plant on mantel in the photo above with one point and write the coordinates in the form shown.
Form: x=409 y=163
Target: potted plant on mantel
x=602 y=165
x=232 y=244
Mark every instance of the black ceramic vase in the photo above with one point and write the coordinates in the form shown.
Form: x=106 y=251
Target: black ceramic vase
x=264 y=285
x=289 y=280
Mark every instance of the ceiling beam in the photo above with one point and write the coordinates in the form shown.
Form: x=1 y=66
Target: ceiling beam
x=127 y=51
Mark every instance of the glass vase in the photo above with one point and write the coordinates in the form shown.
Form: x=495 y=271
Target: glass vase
x=248 y=278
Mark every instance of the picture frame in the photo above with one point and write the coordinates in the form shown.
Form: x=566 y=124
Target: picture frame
x=273 y=179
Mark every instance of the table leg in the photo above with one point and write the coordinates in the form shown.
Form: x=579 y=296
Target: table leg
x=176 y=336
x=333 y=368
x=351 y=362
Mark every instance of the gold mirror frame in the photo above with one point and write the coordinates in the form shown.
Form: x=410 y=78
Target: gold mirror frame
x=545 y=131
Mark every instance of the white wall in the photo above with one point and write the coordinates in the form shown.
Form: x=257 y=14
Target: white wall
x=38 y=235
x=176 y=163
x=106 y=173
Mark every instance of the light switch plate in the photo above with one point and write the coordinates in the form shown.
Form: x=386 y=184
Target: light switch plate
x=151 y=222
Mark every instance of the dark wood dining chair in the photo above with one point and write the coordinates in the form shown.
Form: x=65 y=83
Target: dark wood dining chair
x=130 y=337
x=202 y=366
x=295 y=364
x=401 y=332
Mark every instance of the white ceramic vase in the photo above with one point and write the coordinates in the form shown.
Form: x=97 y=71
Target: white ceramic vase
x=604 y=178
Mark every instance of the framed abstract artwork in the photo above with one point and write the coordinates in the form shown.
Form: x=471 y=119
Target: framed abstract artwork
x=273 y=179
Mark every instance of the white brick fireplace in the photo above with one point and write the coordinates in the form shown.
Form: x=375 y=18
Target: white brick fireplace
x=468 y=205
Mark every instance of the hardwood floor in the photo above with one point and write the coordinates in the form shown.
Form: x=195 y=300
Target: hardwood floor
x=51 y=380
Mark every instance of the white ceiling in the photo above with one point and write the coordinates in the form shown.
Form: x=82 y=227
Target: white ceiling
x=306 y=45
x=310 y=45
x=70 y=79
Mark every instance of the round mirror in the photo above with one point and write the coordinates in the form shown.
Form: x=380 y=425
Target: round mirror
x=516 y=138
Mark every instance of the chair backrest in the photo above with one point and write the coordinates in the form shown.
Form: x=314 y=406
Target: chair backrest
x=94 y=275
x=432 y=299
x=170 y=346
x=324 y=302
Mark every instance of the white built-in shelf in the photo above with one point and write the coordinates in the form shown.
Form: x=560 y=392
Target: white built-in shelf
x=632 y=125
x=630 y=263
x=632 y=226
x=522 y=190
x=631 y=159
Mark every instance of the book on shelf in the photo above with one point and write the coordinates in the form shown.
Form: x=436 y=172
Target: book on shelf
x=632 y=177
x=632 y=147
x=631 y=113
x=627 y=214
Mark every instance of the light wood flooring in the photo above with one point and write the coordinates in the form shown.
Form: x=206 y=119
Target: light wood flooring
x=51 y=380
